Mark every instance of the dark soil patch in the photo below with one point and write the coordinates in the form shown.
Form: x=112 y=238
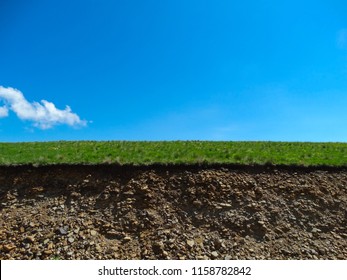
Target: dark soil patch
x=173 y=212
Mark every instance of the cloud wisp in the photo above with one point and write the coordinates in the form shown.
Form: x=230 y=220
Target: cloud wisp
x=44 y=115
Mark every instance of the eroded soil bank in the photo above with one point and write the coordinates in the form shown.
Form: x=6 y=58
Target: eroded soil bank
x=173 y=212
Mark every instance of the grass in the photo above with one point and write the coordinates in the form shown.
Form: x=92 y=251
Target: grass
x=173 y=152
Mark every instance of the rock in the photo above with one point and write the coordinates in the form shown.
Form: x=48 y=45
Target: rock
x=226 y=205
x=197 y=203
x=29 y=239
x=158 y=247
x=8 y=247
x=214 y=254
x=71 y=239
x=93 y=232
x=62 y=230
x=127 y=239
x=98 y=248
x=218 y=243
x=190 y=243
x=314 y=230
x=202 y=257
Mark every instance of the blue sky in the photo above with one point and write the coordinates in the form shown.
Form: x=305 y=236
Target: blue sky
x=173 y=70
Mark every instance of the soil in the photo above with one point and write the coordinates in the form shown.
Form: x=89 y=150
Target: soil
x=173 y=212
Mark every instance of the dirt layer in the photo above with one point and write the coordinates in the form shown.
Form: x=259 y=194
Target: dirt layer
x=173 y=212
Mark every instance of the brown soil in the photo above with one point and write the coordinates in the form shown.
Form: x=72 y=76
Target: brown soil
x=173 y=212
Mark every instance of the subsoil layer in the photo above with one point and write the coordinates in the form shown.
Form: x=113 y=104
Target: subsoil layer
x=172 y=212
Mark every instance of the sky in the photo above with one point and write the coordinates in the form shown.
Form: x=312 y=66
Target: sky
x=253 y=70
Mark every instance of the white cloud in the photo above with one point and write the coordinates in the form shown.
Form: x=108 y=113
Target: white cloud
x=44 y=114
x=3 y=112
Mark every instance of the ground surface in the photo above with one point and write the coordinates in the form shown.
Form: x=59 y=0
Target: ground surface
x=173 y=212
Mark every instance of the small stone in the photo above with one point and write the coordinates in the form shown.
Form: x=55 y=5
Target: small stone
x=314 y=252
x=197 y=203
x=225 y=204
x=165 y=253
x=30 y=239
x=129 y=193
x=218 y=243
x=71 y=239
x=48 y=252
x=158 y=247
x=214 y=254
x=8 y=247
x=98 y=248
x=190 y=243
x=93 y=232
x=62 y=231
x=127 y=238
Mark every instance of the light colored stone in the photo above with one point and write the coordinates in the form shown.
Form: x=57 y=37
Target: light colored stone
x=190 y=243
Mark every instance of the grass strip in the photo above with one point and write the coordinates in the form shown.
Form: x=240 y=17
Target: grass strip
x=174 y=152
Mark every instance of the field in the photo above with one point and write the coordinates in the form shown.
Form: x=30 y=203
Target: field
x=174 y=152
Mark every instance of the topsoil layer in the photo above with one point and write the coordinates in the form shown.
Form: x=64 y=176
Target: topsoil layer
x=173 y=212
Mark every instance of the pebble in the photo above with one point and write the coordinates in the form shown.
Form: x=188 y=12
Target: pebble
x=62 y=231
x=30 y=239
x=8 y=247
x=190 y=243
x=225 y=204
x=127 y=238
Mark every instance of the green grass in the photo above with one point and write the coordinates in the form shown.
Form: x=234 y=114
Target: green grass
x=173 y=152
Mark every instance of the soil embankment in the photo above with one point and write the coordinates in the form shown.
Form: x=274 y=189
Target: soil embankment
x=173 y=212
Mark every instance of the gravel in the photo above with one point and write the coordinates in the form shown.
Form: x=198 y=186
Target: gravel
x=173 y=212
